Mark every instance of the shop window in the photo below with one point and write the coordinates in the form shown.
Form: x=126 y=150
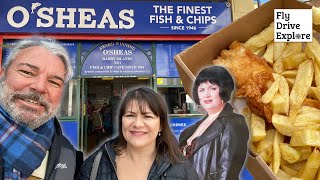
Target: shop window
x=68 y=104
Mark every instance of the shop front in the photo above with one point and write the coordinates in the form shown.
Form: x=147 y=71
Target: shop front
x=107 y=70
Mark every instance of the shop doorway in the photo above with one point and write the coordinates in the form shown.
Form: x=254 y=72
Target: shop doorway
x=102 y=97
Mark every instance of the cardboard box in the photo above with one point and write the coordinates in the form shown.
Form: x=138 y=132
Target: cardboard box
x=200 y=55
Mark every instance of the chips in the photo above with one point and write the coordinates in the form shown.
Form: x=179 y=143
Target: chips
x=305 y=137
x=291 y=147
x=278 y=138
x=289 y=153
x=312 y=50
x=300 y=87
x=260 y=40
x=316 y=15
x=307 y=118
x=294 y=60
x=264 y=148
x=312 y=165
x=283 y=124
x=273 y=89
x=268 y=55
x=258 y=131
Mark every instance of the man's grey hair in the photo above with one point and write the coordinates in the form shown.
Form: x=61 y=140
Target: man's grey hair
x=50 y=44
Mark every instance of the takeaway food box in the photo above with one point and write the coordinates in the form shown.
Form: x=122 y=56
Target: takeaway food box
x=190 y=61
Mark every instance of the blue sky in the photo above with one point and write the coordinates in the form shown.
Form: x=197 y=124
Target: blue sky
x=262 y=1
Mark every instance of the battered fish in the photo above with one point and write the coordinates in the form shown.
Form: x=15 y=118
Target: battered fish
x=251 y=74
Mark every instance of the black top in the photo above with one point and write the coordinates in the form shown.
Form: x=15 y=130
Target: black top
x=221 y=150
x=159 y=170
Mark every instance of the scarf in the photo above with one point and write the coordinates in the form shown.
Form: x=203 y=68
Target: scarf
x=21 y=148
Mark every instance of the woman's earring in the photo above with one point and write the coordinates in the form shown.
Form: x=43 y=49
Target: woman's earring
x=159 y=134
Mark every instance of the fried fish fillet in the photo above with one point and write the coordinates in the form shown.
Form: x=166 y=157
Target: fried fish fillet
x=251 y=74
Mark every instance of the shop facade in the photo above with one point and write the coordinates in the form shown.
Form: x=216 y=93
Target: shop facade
x=115 y=46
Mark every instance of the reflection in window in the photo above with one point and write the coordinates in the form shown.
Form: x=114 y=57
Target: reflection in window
x=68 y=103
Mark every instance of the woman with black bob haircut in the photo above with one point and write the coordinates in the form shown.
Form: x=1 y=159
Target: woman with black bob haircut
x=217 y=144
x=215 y=75
x=145 y=147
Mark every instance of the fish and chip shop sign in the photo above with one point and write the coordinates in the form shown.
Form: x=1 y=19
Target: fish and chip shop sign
x=118 y=59
x=113 y=17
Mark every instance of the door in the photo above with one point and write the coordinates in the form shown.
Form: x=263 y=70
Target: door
x=84 y=105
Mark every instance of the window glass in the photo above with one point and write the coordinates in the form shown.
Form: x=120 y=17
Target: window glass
x=68 y=104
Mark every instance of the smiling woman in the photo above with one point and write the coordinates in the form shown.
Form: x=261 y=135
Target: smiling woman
x=140 y=127
x=145 y=147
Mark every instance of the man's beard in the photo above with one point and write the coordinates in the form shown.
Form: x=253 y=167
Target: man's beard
x=23 y=114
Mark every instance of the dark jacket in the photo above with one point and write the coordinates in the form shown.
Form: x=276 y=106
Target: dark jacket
x=158 y=171
x=64 y=160
x=220 y=151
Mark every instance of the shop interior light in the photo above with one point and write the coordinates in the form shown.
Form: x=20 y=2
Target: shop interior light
x=107 y=79
x=143 y=78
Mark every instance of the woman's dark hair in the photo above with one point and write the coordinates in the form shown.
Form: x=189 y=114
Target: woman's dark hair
x=215 y=75
x=166 y=144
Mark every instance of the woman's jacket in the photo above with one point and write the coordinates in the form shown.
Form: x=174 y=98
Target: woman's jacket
x=220 y=151
x=161 y=170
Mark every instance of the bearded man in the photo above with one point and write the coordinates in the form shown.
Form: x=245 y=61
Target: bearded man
x=32 y=82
